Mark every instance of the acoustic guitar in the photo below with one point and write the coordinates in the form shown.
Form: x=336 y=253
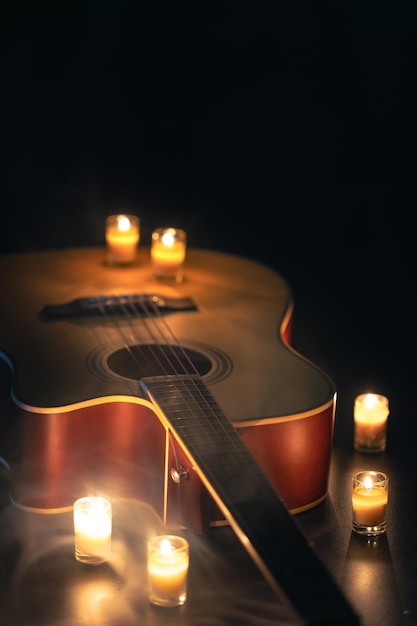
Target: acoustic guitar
x=186 y=396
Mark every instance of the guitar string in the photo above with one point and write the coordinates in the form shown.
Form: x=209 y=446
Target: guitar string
x=143 y=332
x=225 y=442
x=230 y=459
x=153 y=326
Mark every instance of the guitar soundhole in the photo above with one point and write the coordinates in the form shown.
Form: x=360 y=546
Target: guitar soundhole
x=137 y=362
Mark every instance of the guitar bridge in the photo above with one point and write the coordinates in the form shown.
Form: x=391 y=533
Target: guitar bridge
x=144 y=305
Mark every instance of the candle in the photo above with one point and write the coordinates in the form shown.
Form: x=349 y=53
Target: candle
x=369 y=502
x=168 y=252
x=370 y=422
x=168 y=561
x=92 y=529
x=122 y=239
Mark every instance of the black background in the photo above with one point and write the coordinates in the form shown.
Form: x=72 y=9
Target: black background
x=284 y=132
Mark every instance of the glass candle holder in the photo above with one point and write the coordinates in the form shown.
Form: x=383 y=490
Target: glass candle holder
x=168 y=250
x=92 y=529
x=369 y=502
x=122 y=239
x=371 y=412
x=168 y=562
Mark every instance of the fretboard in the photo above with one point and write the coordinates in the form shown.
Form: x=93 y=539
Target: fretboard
x=248 y=501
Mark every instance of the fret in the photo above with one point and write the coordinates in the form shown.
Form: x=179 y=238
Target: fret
x=191 y=409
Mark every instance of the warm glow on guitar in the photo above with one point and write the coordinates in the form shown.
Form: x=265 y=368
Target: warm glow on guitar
x=187 y=397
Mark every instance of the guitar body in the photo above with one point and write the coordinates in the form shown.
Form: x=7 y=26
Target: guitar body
x=74 y=421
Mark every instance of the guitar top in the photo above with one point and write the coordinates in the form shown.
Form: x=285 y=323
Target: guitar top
x=239 y=328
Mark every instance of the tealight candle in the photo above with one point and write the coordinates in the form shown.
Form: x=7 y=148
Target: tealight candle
x=369 y=502
x=168 y=561
x=168 y=252
x=122 y=239
x=370 y=422
x=92 y=529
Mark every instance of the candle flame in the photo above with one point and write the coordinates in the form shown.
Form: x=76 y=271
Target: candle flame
x=368 y=483
x=96 y=505
x=370 y=401
x=165 y=547
x=168 y=238
x=123 y=223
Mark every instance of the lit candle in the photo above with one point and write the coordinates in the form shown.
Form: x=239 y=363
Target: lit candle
x=92 y=529
x=122 y=238
x=168 y=561
x=370 y=422
x=369 y=502
x=168 y=252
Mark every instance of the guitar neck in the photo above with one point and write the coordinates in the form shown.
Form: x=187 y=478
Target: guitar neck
x=247 y=499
